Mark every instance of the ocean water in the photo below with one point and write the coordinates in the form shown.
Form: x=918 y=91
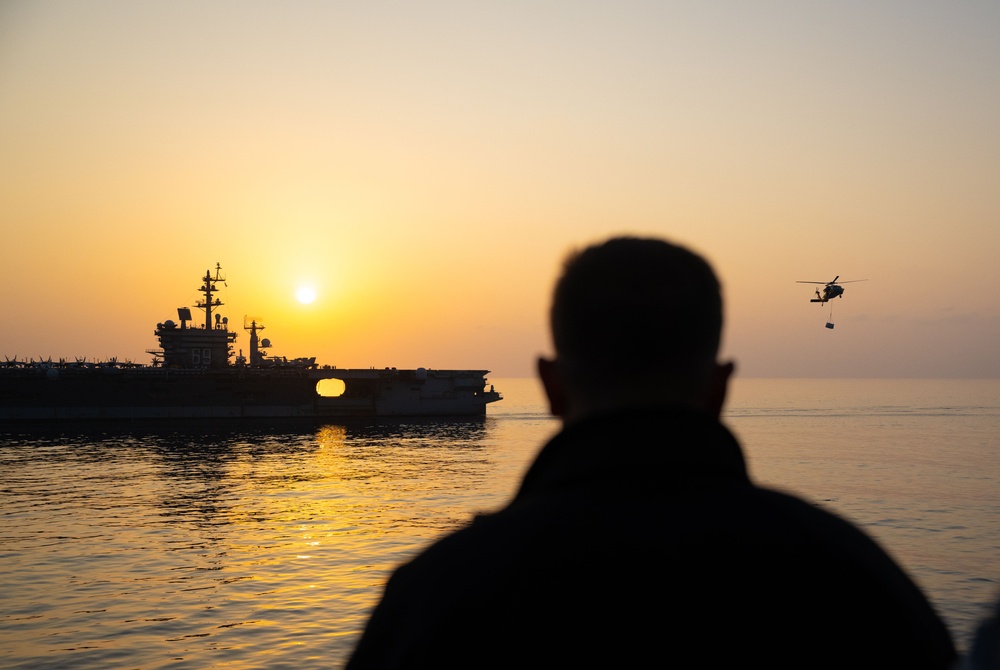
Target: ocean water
x=266 y=547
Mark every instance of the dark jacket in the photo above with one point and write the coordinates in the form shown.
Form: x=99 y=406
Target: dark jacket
x=638 y=539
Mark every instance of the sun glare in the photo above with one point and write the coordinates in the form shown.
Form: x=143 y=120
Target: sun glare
x=306 y=294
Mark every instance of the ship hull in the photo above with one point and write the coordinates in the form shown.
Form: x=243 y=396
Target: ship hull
x=152 y=393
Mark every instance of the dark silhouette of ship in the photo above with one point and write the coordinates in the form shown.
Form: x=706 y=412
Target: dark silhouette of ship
x=195 y=375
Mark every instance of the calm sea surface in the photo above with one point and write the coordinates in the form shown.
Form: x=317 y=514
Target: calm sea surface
x=266 y=547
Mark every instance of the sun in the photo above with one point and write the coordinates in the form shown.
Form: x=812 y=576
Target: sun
x=306 y=294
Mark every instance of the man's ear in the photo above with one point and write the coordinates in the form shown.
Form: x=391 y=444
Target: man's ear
x=719 y=387
x=552 y=382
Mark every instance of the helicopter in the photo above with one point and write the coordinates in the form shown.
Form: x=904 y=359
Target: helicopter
x=831 y=289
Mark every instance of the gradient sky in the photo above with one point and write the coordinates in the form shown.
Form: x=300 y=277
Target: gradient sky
x=425 y=166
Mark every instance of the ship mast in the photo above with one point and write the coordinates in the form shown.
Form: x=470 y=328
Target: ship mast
x=208 y=288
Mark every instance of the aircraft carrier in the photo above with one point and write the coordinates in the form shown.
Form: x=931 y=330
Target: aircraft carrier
x=194 y=374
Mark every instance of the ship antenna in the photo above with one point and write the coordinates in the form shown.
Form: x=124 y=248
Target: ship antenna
x=208 y=288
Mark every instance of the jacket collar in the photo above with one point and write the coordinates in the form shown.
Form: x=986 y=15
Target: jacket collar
x=669 y=444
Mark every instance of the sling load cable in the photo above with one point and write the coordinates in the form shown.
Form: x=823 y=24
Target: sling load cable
x=829 y=323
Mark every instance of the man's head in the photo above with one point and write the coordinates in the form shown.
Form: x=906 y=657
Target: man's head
x=635 y=321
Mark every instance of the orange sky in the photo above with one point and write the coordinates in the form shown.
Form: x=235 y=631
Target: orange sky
x=425 y=166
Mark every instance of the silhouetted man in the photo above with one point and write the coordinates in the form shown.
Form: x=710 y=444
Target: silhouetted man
x=636 y=537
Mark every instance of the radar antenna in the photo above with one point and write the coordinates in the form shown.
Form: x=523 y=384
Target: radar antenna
x=208 y=288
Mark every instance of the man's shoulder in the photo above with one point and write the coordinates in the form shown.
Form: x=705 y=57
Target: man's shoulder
x=724 y=515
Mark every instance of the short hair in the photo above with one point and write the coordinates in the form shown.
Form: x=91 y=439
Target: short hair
x=634 y=309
